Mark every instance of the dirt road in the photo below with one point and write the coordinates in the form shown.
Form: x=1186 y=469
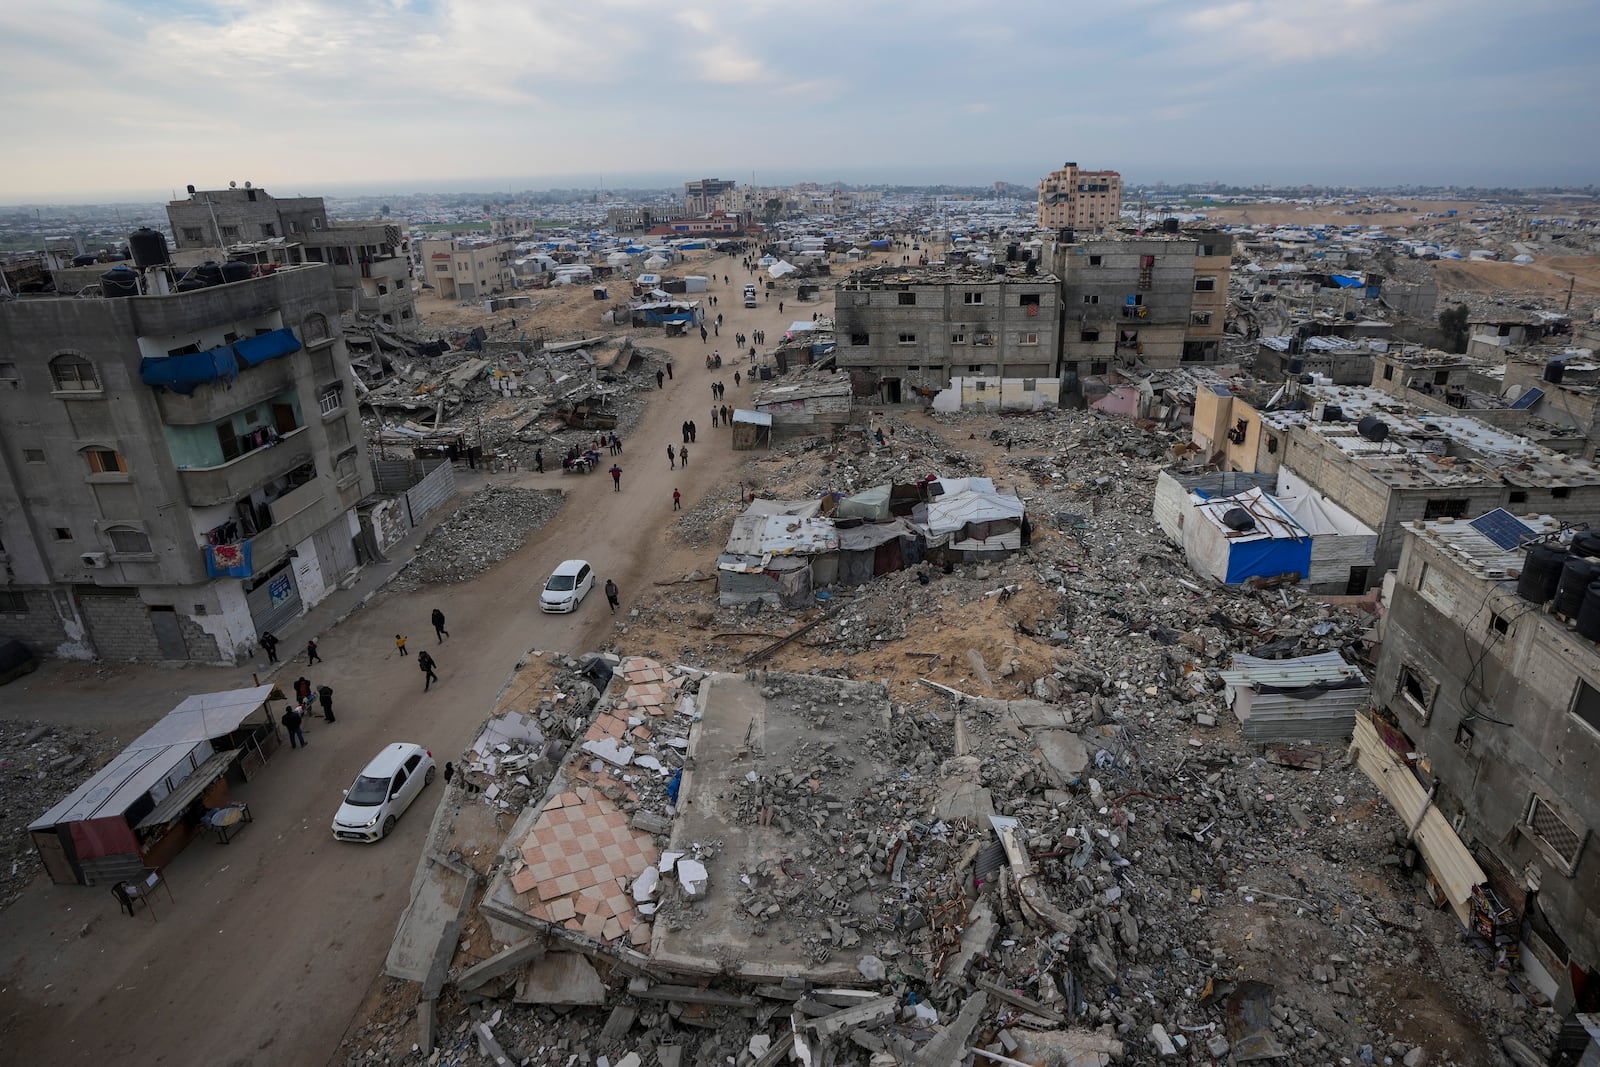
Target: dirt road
x=268 y=943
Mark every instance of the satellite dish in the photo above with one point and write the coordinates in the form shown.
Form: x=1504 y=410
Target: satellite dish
x=233 y=185
x=247 y=185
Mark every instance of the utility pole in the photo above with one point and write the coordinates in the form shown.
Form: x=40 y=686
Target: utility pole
x=1571 y=282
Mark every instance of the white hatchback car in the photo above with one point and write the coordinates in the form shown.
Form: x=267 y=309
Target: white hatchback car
x=567 y=586
x=382 y=791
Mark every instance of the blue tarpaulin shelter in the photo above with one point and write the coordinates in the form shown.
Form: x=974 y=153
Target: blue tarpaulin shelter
x=183 y=374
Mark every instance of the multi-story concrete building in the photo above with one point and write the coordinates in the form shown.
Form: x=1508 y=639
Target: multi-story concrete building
x=371 y=260
x=905 y=332
x=1389 y=464
x=707 y=195
x=178 y=473
x=1157 y=299
x=1080 y=199
x=467 y=269
x=1500 y=701
x=632 y=218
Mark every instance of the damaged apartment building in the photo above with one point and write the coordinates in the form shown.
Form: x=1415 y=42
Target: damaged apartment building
x=179 y=470
x=1490 y=673
x=905 y=333
x=370 y=260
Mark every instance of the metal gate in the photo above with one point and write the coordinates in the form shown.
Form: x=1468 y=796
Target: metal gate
x=169 y=635
x=276 y=600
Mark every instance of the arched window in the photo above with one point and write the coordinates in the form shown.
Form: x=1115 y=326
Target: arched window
x=72 y=373
x=314 y=328
x=125 y=540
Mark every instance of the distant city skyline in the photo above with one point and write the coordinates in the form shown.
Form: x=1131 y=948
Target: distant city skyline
x=113 y=102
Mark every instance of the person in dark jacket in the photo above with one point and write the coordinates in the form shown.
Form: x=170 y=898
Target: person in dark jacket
x=311 y=652
x=439 y=632
x=425 y=662
x=325 y=694
x=269 y=644
x=291 y=722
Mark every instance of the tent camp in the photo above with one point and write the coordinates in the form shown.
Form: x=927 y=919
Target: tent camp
x=870 y=549
x=769 y=558
x=142 y=808
x=780 y=268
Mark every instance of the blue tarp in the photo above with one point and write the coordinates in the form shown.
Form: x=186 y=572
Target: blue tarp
x=183 y=374
x=1345 y=281
x=1268 y=558
x=262 y=347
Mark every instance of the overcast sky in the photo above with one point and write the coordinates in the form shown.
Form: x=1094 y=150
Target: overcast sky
x=111 y=99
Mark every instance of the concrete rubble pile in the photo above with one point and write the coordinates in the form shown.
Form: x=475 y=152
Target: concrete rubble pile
x=483 y=530
x=39 y=764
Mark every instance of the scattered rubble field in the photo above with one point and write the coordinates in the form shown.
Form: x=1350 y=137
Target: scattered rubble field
x=484 y=529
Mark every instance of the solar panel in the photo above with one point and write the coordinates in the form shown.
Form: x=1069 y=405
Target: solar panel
x=1503 y=528
x=1528 y=398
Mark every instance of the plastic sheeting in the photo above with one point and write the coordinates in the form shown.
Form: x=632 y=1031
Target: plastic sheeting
x=273 y=344
x=184 y=374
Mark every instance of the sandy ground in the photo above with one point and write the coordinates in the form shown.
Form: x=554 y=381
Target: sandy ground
x=269 y=943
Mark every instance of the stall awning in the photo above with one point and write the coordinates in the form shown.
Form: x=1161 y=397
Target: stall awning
x=173 y=804
x=264 y=346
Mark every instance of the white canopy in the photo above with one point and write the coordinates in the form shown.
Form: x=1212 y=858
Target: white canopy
x=780 y=268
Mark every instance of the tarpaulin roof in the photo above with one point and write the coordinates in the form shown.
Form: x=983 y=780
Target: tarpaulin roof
x=780 y=268
x=954 y=511
x=872 y=534
x=779 y=535
x=203 y=716
x=270 y=345
x=183 y=374
x=801 y=509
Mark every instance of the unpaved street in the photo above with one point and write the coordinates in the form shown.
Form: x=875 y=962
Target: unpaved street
x=268 y=943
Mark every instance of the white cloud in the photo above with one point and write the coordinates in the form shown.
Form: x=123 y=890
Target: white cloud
x=726 y=65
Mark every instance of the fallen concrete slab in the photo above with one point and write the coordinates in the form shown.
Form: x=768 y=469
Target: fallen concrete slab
x=560 y=979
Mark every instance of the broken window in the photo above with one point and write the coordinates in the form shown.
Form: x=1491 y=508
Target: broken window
x=1089 y=336
x=1562 y=839
x=193 y=234
x=1518 y=496
x=859 y=339
x=1200 y=318
x=1388 y=372
x=908 y=338
x=269 y=229
x=907 y=299
x=128 y=541
x=1560 y=492
x=1416 y=691
x=230 y=233
x=1499 y=623
x=1098 y=366
x=1091 y=298
x=1449 y=508
x=1030 y=300
x=1205 y=285
x=1441 y=377
x=33 y=455
x=1095 y=261
x=13 y=603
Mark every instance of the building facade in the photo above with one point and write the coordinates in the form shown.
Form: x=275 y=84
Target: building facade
x=468 y=270
x=1500 y=700
x=902 y=334
x=707 y=195
x=1156 y=300
x=1071 y=198
x=178 y=473
x=370 y=260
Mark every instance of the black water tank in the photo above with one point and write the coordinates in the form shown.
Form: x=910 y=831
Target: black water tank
x=1576 y=577
x=1586 y=544
x=1332 y=413
x=1554 y=371
x=148 y=247
x=1297 y=365
x=236 y=271
x=85 y=260
x=1589 y=613
x=209 y=272
x=1372 y=428
x=1238 y=519
x=1541 y=573
x=1169 y=225
x=120 y=281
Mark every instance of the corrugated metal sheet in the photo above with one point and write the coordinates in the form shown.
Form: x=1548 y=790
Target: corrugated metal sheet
x=1285 y=673
x=780 y=535
x=432 y=492
x=1328 y=715
x=1448 y=860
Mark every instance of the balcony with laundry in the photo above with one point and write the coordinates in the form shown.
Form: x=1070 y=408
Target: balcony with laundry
x=220 y=461
x=266 y=523
x=195 y=387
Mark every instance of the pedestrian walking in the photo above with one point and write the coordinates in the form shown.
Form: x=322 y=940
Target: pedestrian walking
x=616 y=478
x=613 y=595
x=671 y=458
x=669 y=368
x=400 y=644
x=677 y=500
x=661 y=377
x=725 y=419
x=702 y=335
x=691 y=431
x=291 y=722
x=685 y=429
x=716 y=327
x=736 y=379
x=425 y=662
x=616 y=443
x=311 y=652
x=683 y=456
x=538 y=460
x=325 y=695
x=713 y=416
x=439 y=632
x=269 y=644
x=449 y=771
x=780 y=307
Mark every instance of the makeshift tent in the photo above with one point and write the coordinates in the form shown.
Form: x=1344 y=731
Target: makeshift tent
x=619 y=259
x=871 y=504
x=783 y=581
x=655 y=262
x=131 y=814
x=1312 y=698
x=800 y=509
x=1339 y=540
x=969 y=515
x=1272 y=545
x=751 y=429
x=869 y=549
x=780 y=268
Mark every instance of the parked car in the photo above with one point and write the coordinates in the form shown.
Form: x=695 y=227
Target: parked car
x=382 y=792
x=567 y=586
